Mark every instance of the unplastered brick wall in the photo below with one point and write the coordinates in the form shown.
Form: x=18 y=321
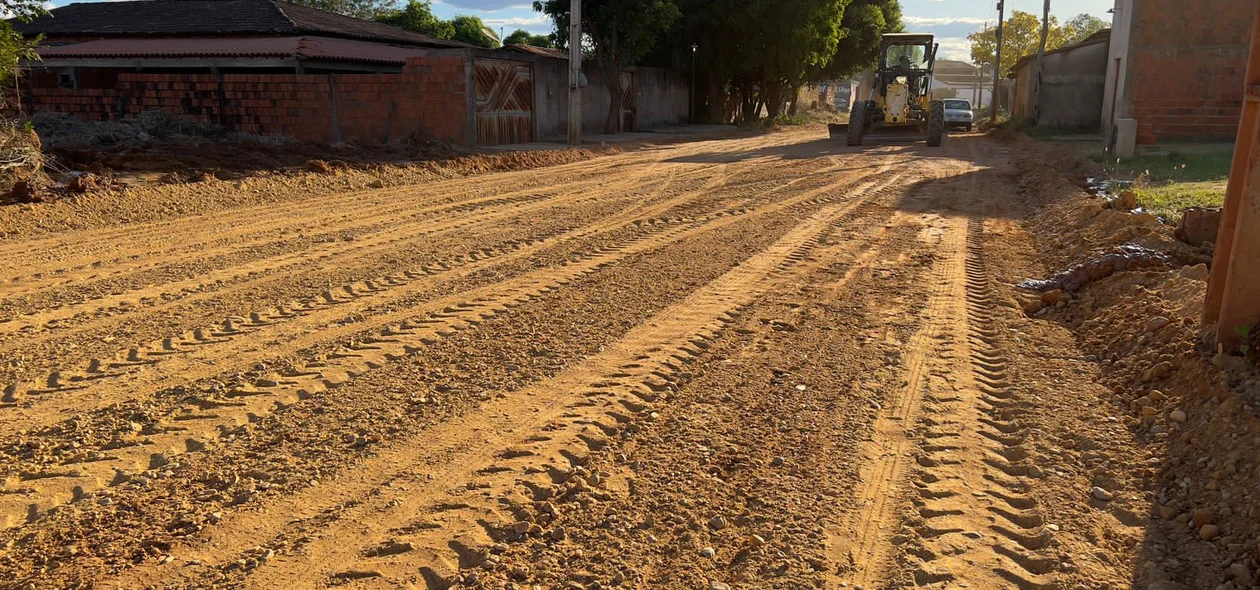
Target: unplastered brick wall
x=1189 y=61
x=429 y=100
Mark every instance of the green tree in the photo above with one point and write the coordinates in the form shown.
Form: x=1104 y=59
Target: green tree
x=1081 y=26
x=14 y=47
x=1021 y=37
x=621 y=31
x=523 y=37
x=364 y=9
x=794 y=44
x=863 y=27
x=418 y=17
x=470 y=29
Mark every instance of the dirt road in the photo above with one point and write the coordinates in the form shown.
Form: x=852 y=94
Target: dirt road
x=759 y=362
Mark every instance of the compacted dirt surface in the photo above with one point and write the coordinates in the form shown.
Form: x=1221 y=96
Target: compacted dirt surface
x=754 y=362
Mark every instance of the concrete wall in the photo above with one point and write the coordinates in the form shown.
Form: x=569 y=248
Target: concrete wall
x=661 y=97
x=594 y=99
x=1186 y=67
x=551 y=97
x=1073 y=82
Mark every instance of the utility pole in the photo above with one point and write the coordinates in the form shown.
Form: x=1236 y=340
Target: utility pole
x=691 y=116
x=575 y=72
x=997 y=63
x=1041 y=56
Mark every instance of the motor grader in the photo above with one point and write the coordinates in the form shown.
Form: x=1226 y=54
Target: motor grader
x=896 y=97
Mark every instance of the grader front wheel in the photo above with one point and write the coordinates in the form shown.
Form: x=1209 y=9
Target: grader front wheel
x=936 y=124
x=857 y=124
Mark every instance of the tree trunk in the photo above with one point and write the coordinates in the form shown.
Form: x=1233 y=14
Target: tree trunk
x=751 y=105
x=774 y=100
x=717 y=101
x=612 y=125
x=796 y=97
x=609 y=62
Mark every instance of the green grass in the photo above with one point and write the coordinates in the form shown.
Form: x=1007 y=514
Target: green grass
x=1186 y=163
x=1187 y=175
x=1169 y=200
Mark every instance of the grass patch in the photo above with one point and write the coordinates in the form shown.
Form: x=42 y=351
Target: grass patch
x=1188 y=163
x=1169 y=200
x=1189 y=175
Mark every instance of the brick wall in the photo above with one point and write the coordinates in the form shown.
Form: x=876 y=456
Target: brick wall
x=1188 y=61
x=428 y=100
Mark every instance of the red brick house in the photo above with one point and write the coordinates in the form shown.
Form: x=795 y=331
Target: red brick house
x=259 y=66
x=266 y=66
x=1175 y=71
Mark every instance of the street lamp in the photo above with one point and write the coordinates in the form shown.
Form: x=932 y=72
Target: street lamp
x=692 y=114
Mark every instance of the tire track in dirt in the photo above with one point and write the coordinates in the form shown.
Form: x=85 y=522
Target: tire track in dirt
x=976 y=525
x=207 y=286
x=254 y=228
x=639 y=369
x=238 y=330
x=404 y=332
x=388 y=229
x=77 y=250
x=861 y=545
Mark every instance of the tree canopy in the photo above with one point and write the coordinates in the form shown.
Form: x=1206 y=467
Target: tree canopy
x=470 y=29
x=13 y=47
x=523 y=37
x=863 y=25
x=365 y=9
x=418 y=17
x=750 y=56
x=1021 y=37
x=1081 y=26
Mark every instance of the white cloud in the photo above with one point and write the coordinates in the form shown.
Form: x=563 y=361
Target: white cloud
x=954 y=48
x=518 y=21
x=924 y=21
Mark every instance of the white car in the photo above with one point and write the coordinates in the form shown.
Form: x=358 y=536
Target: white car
x=958 y=113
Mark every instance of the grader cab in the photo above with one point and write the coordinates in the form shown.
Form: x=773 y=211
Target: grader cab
x=897 y=96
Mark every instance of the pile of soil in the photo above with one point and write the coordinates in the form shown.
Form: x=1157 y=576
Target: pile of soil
x=1193 y=415
x=85 y=201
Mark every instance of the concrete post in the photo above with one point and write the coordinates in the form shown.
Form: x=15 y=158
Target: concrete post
x=997 y=62
x=575 y=72
x=1234 y=291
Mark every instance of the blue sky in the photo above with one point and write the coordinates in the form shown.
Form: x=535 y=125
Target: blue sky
x=949 y=20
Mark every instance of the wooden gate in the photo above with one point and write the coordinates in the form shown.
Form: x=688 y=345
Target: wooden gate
x=505 y=102
x=627 y=101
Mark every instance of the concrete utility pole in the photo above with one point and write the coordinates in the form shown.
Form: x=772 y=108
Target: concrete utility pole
x=997 y=63
x=1233 y=300
x=691 y=93
x=1041 y=56
x=575 y=72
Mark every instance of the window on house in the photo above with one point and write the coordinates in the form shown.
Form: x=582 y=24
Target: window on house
x=65 y=80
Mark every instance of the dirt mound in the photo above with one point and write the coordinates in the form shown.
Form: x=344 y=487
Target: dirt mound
x=21 y=164
x=1193 y=413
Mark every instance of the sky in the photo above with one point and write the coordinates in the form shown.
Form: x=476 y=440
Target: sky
x=949 y=20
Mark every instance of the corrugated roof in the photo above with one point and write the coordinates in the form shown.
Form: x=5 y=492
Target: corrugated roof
x=543 y=51
x=279 y=47
x=206 y=17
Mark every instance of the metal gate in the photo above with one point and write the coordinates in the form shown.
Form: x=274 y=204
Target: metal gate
x=627 y=101
x=505 y=102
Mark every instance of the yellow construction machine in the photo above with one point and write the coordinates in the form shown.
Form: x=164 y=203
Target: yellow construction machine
x=895 y=100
